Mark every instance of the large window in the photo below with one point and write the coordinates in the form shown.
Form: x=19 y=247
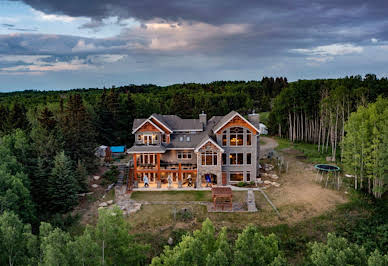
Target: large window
x=186 y=155
x=249 y=158
x=209 y=158
x=249 y=138
x=224 y=139
x=236 y=158
x=236 y=136
x=224 y=159
x=248 y=176
x=236 y=176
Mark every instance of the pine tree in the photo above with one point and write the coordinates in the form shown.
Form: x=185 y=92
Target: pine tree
x=62 y=185
x=78 y=132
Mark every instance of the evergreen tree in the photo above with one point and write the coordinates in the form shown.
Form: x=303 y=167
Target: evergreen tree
x=62 y=185
x=78 y=131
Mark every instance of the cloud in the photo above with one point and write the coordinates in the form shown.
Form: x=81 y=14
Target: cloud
x=53 y=17
x=326 y=53
x=374 y=40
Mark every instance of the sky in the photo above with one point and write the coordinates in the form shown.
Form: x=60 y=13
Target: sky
x=56 y=44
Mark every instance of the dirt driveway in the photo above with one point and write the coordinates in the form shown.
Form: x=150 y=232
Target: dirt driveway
x=270 y=145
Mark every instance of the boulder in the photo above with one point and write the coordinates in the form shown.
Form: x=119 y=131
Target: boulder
x=95 y=186
x=110 y=202
x=170 y=241
x=103 y=204
x=96 y=177
x=274 y=177
x=267 y=182
x=275 y=184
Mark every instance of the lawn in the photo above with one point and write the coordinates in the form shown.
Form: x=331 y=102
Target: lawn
x=181 y=195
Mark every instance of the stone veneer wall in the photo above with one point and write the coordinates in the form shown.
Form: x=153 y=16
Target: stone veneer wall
x=209 y=169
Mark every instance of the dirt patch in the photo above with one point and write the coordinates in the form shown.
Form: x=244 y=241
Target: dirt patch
x=299 y=196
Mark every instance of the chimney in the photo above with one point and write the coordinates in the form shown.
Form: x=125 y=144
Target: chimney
x=255 y=118
x=203 y=119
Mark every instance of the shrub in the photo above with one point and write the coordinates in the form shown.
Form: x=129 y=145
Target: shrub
x=111 y=175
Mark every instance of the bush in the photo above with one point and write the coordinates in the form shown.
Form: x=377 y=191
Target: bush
x=111 y=175
x=241 y=184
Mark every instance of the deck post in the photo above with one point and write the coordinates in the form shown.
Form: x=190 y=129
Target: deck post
x=180 y=175
x=135 y=181
x=158 y=182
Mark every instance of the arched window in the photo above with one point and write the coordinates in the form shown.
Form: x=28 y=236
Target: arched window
x=236 y=136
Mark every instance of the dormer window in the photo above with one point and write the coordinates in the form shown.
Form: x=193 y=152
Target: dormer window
x=181 y=138
x=188 y=138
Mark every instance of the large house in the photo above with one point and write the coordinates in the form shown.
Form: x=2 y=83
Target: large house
x=167 y=147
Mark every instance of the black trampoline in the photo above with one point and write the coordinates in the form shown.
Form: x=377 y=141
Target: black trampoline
x=327 y=167
x=331 y=172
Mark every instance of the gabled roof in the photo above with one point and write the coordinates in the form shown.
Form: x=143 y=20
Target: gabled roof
x=224 y=120
x=144 y=122
x=171 y=122
x=206 y=140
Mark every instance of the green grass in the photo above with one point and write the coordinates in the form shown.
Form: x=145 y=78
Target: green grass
x=309 y=150
x=172 y=195
x=282 y=144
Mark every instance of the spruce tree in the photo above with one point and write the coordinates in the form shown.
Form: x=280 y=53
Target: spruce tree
x=62 y=185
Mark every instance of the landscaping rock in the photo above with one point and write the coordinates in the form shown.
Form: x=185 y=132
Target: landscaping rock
x=95 y=186
x=267 y=182
x=170 y=241
x=274 y=177
x=103 y=204
x=110 y=202
x=275 y=184
x=96 y=177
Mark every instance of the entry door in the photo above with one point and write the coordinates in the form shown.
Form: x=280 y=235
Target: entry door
x=224 y=179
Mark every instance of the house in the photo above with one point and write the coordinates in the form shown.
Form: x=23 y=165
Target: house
x=224 y=148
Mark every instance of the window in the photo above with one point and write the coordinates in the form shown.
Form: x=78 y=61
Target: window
x=188 y=138
x=181 y=138
x=164 y=138
x=249 y=158
x=224 y=139
x=224 y=159
x=248 y=176
x=236 y=158
x=139 y=137
x=236 y=176
x=236 y=136
x=156 y=137
x=186 y=155
x=249 y=138
x=209 y=158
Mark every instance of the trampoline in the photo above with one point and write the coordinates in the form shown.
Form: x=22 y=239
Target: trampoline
x=330 y=171
x=327 y=167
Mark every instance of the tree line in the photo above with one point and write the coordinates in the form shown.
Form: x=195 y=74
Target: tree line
x=316 y=111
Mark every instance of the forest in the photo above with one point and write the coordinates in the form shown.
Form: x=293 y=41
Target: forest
x=48 y=140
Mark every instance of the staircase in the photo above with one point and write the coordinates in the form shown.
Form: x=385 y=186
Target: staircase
x=124 y=169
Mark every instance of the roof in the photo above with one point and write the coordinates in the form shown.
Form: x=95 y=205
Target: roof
x=224 y=120
x=206 y=140
x=173 y=122
x=146 y=149
x=117 y=148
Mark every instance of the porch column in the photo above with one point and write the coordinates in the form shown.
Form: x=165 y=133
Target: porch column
x=179 y=175
x=135 y=182
x=159 y=184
